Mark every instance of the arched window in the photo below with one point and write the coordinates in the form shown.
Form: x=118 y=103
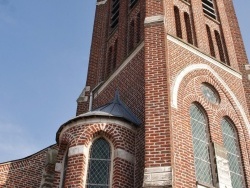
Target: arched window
x=200 y=134
x=131 y=35
x=210 y=41
x=188 y=28
x=109 y=61
x=220 y=46
x=99 y=164
x=177 y=22
x=114 y=64
x=230 y=141
x=138 y=24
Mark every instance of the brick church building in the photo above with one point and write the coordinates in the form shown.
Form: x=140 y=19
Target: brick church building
x=166 y=104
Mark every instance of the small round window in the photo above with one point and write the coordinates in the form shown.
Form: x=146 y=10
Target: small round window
x=210 y=93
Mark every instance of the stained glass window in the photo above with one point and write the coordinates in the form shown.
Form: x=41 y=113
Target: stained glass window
x=210 y=93
x=203 y=169
x=231 y=145
x=99 y=164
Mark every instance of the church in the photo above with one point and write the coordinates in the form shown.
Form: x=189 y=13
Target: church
x=166 y=104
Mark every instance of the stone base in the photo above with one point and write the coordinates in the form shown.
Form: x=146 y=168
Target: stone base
x=158 y=177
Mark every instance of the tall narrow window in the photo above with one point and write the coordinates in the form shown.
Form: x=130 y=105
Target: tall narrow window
x=188 y=28
x=99 y=164
x=115 y=13
x=210 y=41
x=220 y=46
x=114 y=64
x=230 y=141
x=177 y=22
x=202 y=162
x=131 y=35
x=138 y=24
x=109 y=61
x=209 y=8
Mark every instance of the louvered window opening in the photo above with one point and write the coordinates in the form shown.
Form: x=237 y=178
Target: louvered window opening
x=208 y=8
x=99 y=165
x=115 y=13
x=233 y=154
x=132 y=3
x=200 y=139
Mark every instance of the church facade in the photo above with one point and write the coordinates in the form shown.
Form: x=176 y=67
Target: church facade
x=166 y=104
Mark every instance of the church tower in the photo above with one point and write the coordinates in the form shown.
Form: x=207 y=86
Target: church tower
x=166 y=102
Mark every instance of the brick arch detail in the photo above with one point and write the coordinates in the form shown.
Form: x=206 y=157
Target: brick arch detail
x=194 y=67
x=83 y=133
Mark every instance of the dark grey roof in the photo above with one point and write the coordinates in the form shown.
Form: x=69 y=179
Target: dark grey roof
x=118 y=109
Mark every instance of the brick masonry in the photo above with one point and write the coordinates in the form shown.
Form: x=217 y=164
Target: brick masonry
x=159 y=76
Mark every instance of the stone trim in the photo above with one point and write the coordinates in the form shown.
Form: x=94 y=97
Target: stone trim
x=157 y=177
x=83 y=97
x=153 y=19
x=77 y=150
x=58 y=167
x=204 y=56
x=117 y=72
x=122 y=154
x=101 y=2
x=247 y=67
x=190 y=68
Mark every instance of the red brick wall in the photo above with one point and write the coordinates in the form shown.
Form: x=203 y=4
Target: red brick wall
x=83 y=134
x=25 y=172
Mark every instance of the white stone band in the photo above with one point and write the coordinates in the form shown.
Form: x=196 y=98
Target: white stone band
x=120 y=153
x=154 y=19
x=76 y=150
x=101 y=2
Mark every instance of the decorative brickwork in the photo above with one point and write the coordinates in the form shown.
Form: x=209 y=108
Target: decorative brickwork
x=164 y=57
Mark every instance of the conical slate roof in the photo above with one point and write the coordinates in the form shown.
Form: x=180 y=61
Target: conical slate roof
x=117 y=108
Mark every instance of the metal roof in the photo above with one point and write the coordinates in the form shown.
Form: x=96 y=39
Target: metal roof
x=118 y=109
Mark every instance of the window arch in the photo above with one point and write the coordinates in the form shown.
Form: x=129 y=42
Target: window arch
x=109 y=61
x=230 y=141
x=220 y=46
x=177 y=22
x=99 y=164
x=138 y=24
x=188 y=28
x=114 y=64
x=210 y=41
x=201 y=142
x=131 y=35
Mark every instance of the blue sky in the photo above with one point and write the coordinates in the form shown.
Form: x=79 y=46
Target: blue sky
x=44 y=49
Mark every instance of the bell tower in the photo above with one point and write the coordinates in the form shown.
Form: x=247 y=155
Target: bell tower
x=167 y=95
